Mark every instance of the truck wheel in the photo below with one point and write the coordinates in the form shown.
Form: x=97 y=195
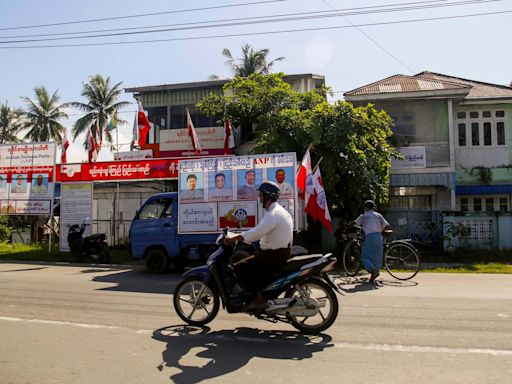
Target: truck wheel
x=157 y=261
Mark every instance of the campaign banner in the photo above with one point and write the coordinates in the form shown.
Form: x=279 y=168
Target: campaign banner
x=119 y=170
x=27 y=178
x=232 y=183
x=177 y=142
x=75 y=207
x=198 y=217
x=134 y=155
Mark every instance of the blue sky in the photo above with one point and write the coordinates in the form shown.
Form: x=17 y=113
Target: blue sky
x=476 y=48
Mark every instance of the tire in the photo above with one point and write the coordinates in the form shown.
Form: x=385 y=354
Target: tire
x=352 y=258
x=402 y=261
x=104 y=252
x=322 y=292
x=157 y=261
x=186 y=295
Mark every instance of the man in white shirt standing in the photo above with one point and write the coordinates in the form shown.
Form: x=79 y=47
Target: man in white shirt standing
x=275 y=232
x=374 y=225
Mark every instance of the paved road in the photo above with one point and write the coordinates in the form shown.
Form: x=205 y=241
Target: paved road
x=83 y=324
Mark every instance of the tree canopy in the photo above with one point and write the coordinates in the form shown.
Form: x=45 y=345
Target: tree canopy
x=10 y=123
x=352 y=141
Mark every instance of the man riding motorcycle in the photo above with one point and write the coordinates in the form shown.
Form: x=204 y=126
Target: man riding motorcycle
x=275 y=233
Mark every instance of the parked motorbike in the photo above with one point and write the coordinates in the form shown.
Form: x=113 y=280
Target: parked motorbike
x=93 y=248
x=302 y=293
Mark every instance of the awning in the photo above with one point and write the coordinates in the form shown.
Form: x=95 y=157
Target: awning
x=423 y=180
x=484 y=189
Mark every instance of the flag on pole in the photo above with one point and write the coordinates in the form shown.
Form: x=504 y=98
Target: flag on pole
x=113 y=121
x=143 y=125
x=193 y=135
x=98 y=142
x=317 y=206
x=65 y=145
x=90 y=146
x=227 y=135
x=304 y=178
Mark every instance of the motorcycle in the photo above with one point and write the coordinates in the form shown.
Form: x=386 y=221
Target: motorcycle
x=302 y=293
x=92 y=247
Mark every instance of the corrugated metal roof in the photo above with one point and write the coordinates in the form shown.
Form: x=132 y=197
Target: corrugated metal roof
x=431 y=81
x=403 y=83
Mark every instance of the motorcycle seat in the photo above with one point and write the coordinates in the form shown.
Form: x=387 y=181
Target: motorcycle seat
x=296 y=262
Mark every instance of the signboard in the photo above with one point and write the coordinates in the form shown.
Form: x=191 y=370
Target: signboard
x=27 y=178
x=75 y=207
x=177 y=142
x=134 y=155
x=414 y=157
x=119 y=170
x=215 y=193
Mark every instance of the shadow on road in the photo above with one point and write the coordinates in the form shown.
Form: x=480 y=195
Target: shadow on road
x=24 y=269
x=229 y=350
x=360 y=284
x=138 y=280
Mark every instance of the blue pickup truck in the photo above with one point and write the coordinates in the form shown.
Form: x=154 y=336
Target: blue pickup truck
x=154 y=236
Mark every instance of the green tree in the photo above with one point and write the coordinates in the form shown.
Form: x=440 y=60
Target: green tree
x=10 y=123
x=42 y=116
x=101 y=102
x=353 y=142
x=251 y=62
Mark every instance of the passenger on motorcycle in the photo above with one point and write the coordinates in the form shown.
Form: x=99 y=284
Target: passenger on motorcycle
x=275 y=233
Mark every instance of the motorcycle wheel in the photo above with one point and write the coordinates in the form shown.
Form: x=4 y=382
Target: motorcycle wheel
x=195 y=302
x=104 y=253
x=324 y=294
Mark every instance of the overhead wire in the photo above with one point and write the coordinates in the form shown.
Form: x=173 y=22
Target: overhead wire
x=207 y=37
x=239 y=22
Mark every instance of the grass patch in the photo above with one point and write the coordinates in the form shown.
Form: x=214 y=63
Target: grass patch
x=39 y=252
x=473 y=268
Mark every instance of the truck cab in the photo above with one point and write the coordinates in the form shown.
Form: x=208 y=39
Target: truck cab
x=154 y=235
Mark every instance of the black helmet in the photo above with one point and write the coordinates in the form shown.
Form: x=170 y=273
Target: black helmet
x=269 y=189
x=369 y=204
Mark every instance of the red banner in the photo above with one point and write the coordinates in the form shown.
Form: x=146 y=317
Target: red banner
x=119 y=170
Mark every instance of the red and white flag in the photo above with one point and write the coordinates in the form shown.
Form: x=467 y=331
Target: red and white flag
x=304 y=178
x=317 y=206
x=227 y=136
x=98 y=142
x=193 y=135
x=90 y=145
x=65 y=145
x=143 y=125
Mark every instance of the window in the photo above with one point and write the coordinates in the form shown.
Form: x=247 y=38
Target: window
x=464 y=205
x=475 y=134
x=500 y=128
x=503 y=204
x=462 y=135
x=156 y=209
x=489 y=204
x=484 y=128
x=477 y=204
x=487 y=134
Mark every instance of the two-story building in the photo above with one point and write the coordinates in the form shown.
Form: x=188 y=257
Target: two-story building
x=455 y=136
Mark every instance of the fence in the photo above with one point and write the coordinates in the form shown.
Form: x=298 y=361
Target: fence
x=423 y=226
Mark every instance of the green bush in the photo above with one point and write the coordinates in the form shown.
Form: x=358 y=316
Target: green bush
x=5 y=229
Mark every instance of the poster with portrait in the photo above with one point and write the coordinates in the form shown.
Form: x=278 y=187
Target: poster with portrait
x=27 y=177
x=220 y=185
x=230 y=187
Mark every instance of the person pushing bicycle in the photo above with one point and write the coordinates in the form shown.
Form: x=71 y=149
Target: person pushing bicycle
x=374 y=226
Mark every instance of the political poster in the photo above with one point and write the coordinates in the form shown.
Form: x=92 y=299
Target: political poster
x=229 y=186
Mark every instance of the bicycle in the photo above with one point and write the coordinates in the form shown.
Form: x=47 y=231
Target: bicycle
x=400 y=258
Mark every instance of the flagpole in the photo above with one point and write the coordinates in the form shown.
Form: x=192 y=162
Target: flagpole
x=317 y=164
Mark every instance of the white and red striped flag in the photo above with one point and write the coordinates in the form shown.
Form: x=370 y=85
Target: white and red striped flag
x=193 y=135
x=65 y=145
x=227 y=135
x=304 y=178
x=90 y=145
x=317 y=206
x=142 y=124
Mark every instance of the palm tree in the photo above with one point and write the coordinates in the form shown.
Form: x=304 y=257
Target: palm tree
x=251 y=62
x=10 y=123
x=102 y=101
x=42 y=116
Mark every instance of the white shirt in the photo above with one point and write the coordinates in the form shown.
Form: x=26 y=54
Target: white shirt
x=371 y=222
x=285 y=188
x=274 y=231
x=39 y=189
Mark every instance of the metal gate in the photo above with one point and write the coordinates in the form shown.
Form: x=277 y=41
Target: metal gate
x=423 y=226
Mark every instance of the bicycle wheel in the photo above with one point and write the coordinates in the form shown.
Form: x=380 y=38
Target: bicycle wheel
x=402 y=261
x=352 y=258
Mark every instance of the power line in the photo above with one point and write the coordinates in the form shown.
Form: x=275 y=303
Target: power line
x=142 y=15
x=261 y=33
x=239 y=22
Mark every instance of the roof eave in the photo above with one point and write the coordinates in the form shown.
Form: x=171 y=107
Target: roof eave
x=408 y=95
